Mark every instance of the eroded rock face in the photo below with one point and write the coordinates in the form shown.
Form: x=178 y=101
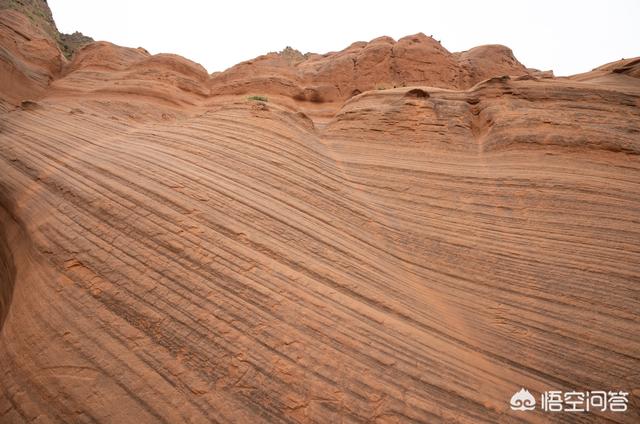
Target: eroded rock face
x=29 y=58
x=380 y=64
x=172 y=251
x=7 y=268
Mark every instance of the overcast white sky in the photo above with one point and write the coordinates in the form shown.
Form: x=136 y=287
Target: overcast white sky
x=568 y=37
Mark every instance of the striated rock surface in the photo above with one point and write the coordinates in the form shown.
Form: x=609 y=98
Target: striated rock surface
x=39 y=15
x=346 y=251
x=327 y=80
x=29 y=58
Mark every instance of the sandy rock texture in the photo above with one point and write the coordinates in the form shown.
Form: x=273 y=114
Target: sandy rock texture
x=398 y=234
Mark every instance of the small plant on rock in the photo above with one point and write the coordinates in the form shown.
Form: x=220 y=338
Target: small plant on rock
x=258 y=98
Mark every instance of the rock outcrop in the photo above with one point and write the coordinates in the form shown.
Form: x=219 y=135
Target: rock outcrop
x=40 y=17
x=390 y=233
x=379 y=64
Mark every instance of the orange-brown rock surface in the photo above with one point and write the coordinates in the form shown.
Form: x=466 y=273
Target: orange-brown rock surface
x=399 y=234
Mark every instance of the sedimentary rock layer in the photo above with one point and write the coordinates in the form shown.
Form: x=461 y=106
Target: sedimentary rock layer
x=171 y=251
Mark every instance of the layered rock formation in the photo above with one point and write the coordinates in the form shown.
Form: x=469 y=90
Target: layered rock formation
x=399 y=234
x=313 y=80
x=40 y=17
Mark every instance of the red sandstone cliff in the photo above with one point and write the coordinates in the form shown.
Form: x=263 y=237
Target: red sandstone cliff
x=399 y=234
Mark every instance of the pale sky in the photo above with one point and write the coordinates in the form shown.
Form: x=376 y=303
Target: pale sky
x=568 y=37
